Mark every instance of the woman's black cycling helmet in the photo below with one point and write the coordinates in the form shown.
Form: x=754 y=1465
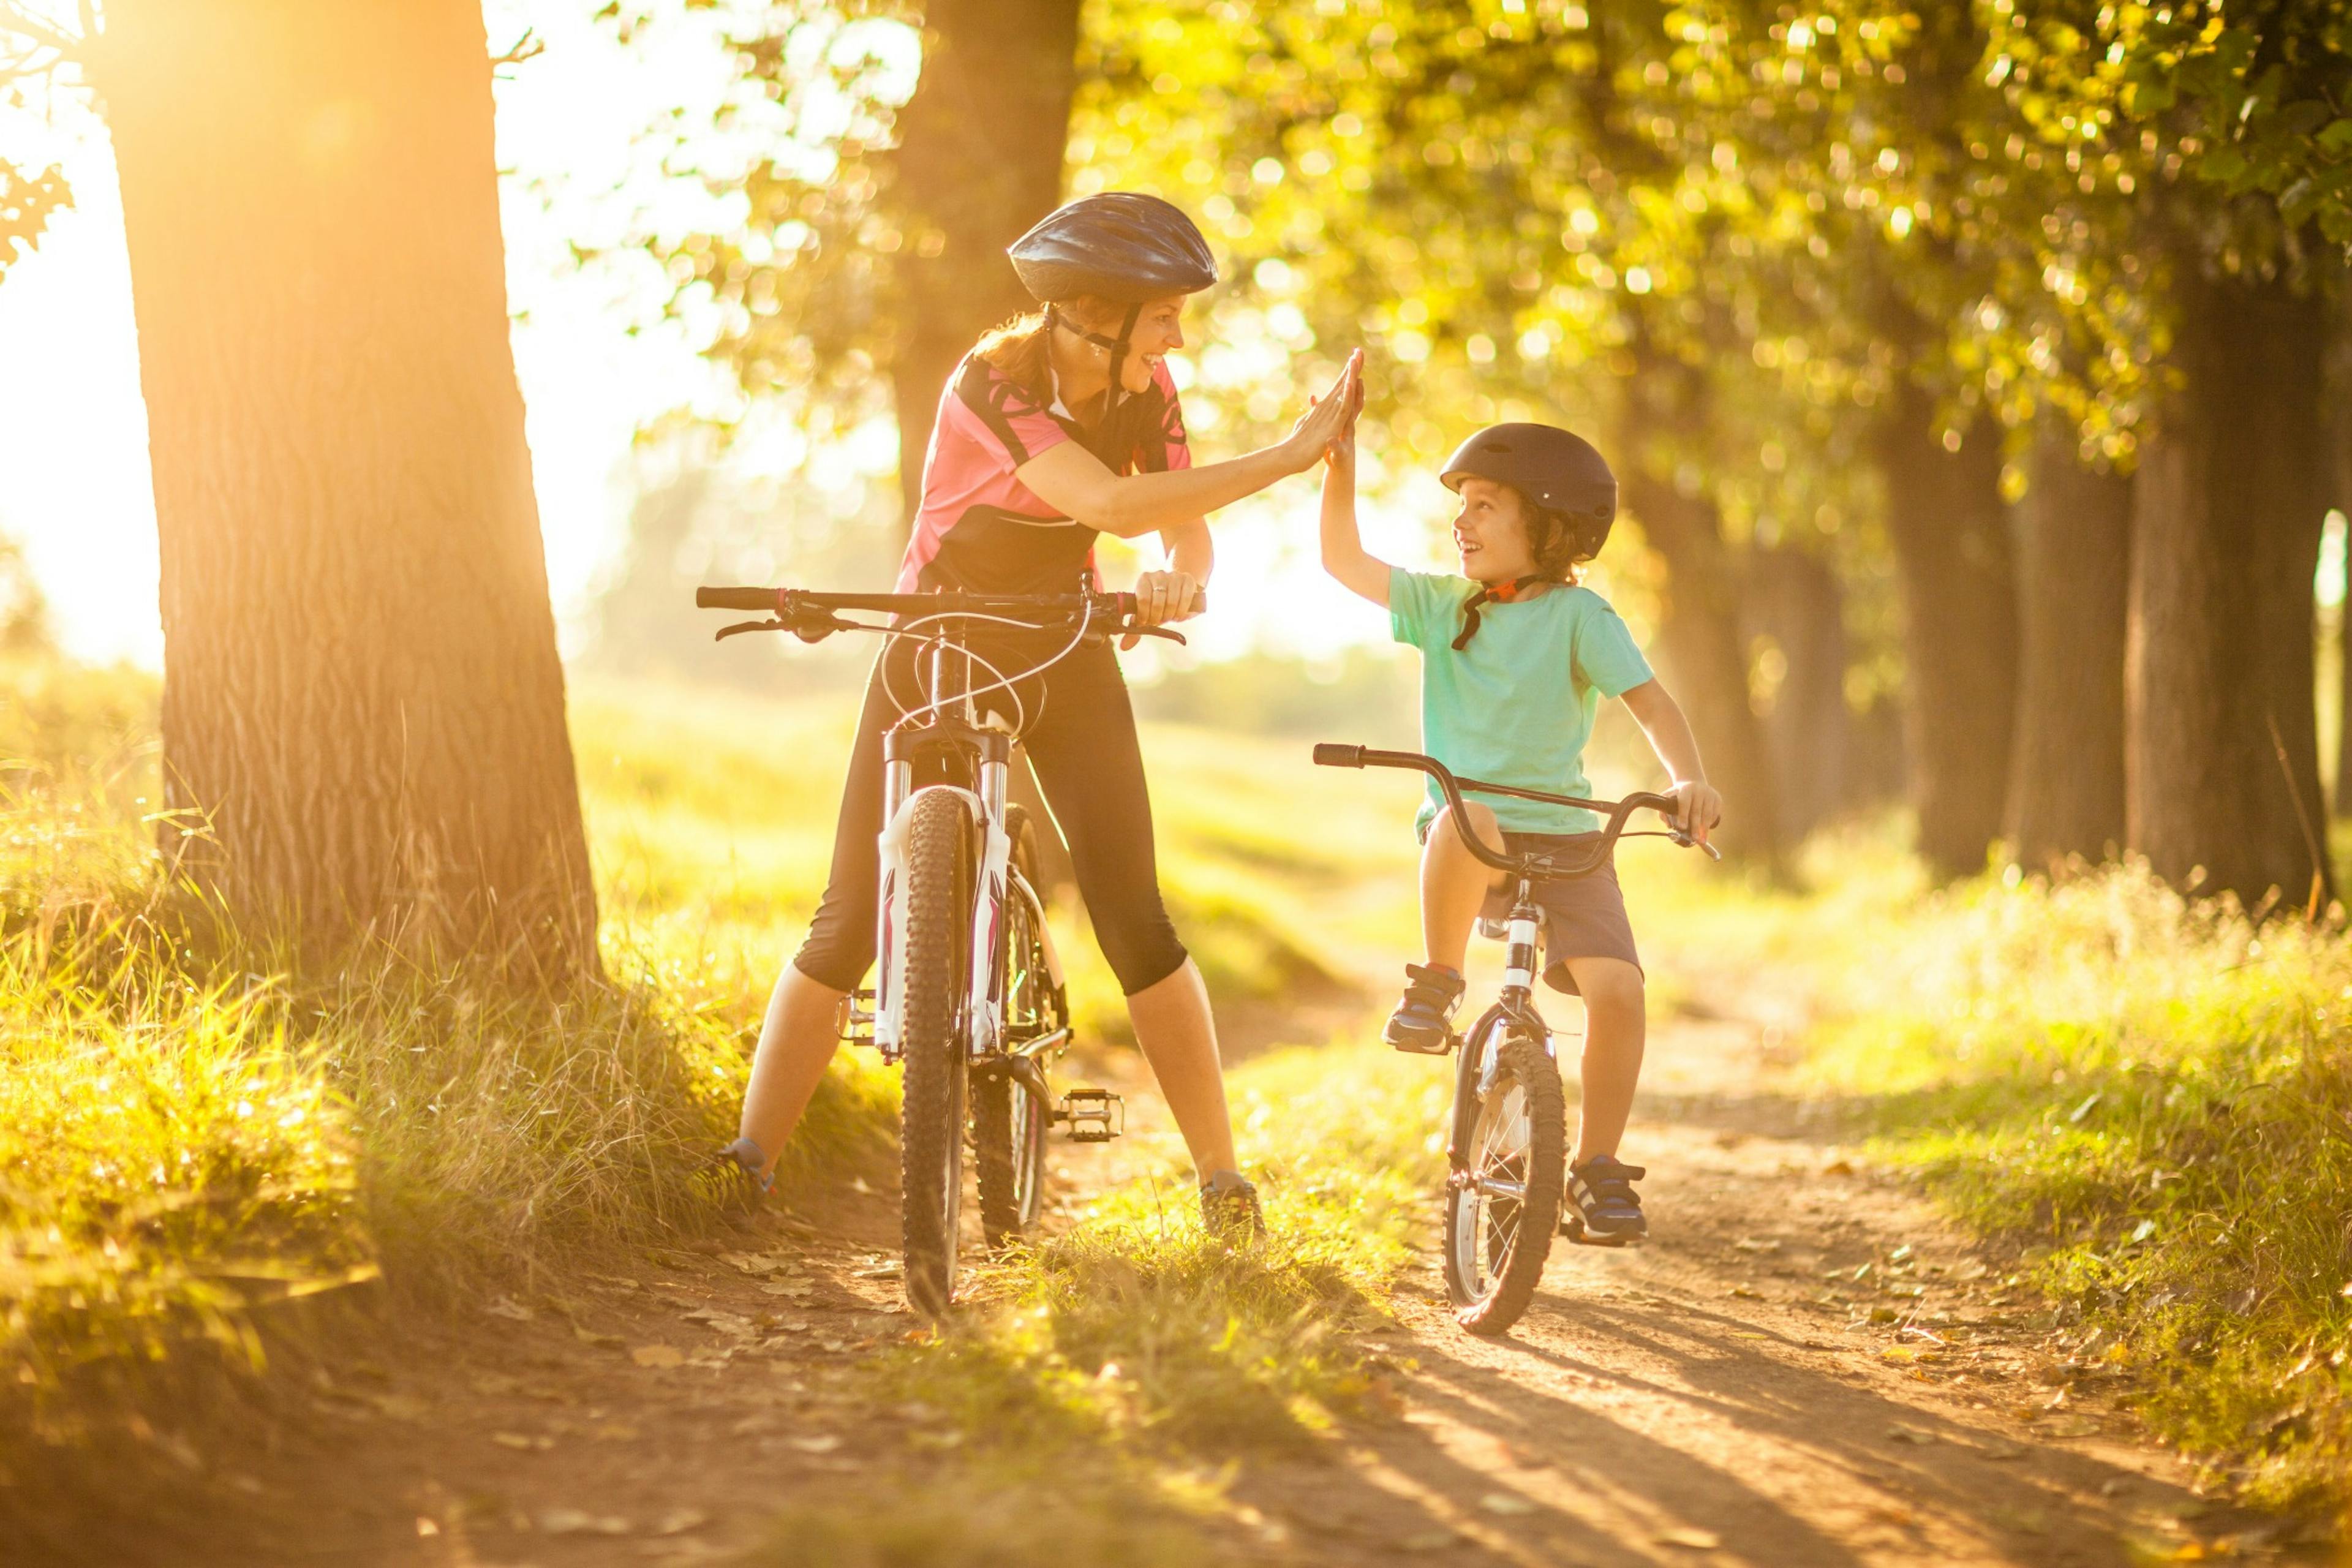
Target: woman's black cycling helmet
x=1117 y=246
x=1558 y=470
x=1120 y=246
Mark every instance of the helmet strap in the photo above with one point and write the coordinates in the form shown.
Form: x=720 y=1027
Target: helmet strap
x=1117 y=346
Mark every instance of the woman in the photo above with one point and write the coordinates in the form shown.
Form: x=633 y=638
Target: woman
x=1056 y=428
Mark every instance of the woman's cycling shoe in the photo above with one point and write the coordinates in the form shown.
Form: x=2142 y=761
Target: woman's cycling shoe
x=1230 y=1209
x=749 y=1160
x=1423 y=1022
x=1603 y=1209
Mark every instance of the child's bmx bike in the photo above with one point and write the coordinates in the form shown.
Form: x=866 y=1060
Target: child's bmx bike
x=1506 y=1148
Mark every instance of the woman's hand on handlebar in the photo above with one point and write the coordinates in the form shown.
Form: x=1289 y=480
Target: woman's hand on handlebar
x=1328 y=417
x=1699 y=807
x=1164 y=597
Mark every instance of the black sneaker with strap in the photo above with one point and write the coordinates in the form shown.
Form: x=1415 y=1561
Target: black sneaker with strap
x=1603 y=1208
x=1230 y=1209
x=1423 y=1021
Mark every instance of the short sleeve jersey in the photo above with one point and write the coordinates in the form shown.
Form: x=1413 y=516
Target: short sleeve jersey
x=980 y=528
x=1516 y=705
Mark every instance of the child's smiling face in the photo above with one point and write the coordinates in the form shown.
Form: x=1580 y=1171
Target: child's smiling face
x=1490 y=532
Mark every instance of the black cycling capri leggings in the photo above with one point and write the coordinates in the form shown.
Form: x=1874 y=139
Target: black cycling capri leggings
x=1082 y=747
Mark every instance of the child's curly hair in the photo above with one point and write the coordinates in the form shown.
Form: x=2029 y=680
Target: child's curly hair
x=1556 y=539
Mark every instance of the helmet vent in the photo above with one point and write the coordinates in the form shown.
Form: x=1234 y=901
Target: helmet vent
x=1496 y=447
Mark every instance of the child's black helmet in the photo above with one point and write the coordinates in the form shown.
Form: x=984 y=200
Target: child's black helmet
x=1117 y=246
x=1556 y=470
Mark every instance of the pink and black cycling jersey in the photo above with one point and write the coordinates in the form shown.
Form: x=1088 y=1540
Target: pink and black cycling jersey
x=981 y=530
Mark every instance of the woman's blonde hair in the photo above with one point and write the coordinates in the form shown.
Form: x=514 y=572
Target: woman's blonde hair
x=1018 y=351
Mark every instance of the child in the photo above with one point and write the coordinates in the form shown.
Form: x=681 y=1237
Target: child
x=1515 y=658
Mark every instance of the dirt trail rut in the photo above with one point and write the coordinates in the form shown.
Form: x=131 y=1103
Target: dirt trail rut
x=1722 y=1395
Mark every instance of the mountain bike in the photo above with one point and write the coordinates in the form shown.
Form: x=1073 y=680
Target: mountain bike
x=1506 y=1139
x=968 y=997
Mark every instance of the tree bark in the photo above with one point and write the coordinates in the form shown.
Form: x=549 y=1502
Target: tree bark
x=1794 y=602
x=1949 y=529
x=2223 y=791
x=1702 y=643
x=364 y=723
x=2066 y=773
x=978 y=161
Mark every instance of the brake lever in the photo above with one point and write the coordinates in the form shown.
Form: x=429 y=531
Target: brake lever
x=739 y=627
x=1687 y=842
x=1133 y=631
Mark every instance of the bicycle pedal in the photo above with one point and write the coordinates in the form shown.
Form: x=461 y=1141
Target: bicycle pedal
x=1444 y=1048
x=1092 y=1115
x=857 y=1019
x=1572 y=1225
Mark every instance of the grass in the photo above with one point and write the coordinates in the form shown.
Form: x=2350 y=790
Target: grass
x=2150 y=1100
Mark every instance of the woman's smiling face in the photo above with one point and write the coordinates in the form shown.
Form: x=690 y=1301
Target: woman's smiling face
x=1490 y=532
x=1159 y=332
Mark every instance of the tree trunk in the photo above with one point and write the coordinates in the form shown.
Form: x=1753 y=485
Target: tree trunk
x=978 y=161
x=1796 y=608
x=2223 y=771
x=364 y=721
x=1949 y=529
x=2338 y=402
x=2066 y=773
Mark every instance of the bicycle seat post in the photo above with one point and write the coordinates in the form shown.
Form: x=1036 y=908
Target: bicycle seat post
x=1523 y=937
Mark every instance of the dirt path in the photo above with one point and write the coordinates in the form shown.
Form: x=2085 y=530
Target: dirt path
x=1720 y=1396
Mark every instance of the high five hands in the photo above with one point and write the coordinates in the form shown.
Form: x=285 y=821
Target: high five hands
x=1330 y=419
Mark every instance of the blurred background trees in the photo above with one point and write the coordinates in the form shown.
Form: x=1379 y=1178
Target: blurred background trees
x=1977 y=357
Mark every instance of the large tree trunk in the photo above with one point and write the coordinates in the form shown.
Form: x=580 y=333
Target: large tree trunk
x=979 y=160
x=2066 y=777
x=2223 y=776
x=1949 y=527
x=364 y=721
x=1794 y=603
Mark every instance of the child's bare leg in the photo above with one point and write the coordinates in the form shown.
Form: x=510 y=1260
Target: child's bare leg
x=1614 y=1027
x=1453 y=884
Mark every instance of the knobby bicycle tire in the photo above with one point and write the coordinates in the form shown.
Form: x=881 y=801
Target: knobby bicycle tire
x=1009 y=1147
x=938 y=912
x=1498 y=1294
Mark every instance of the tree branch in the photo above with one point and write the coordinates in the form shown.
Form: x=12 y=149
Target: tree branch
x=43 y=35
x=526 y=48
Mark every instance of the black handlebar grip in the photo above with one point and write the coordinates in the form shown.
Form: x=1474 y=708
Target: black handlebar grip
x=735 y=599
x=1330 y=754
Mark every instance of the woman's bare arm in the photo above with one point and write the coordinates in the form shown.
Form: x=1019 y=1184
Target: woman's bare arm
x=1075 y=483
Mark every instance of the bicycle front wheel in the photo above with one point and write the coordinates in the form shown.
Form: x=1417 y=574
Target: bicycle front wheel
x=1503 y=1197
x=938 y=912
x=1008 y=1121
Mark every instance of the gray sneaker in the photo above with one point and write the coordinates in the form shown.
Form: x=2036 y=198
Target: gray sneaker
x=1230 y=1209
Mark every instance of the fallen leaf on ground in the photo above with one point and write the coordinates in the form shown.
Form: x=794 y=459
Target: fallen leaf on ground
x=1694 y=1540
x=819 y=1443
x=881 y=1271
x=788 y=1287
x=591 y=1336
x=1838 y=1168
x=1751 y=1244
x=508 y=1306
x=658 y=1355
x=518 y=1441
x=1910 y=1435
x=1506 y=1503
x=1746 y=1292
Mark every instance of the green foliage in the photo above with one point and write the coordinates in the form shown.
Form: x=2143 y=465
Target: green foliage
x=2151 y=1098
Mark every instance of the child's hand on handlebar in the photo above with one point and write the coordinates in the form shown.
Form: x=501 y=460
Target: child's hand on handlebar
x=1698 y=808
x=1164 y=597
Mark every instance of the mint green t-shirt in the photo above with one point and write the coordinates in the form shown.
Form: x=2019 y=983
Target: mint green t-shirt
x=1517 y=706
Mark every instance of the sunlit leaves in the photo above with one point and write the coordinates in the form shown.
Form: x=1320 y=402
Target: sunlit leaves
x=27 y=201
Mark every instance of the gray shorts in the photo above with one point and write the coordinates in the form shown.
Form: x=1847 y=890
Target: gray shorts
x=1585 y=917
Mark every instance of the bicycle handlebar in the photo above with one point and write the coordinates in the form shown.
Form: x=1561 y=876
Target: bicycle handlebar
x=1332 y=755
x=810 y=614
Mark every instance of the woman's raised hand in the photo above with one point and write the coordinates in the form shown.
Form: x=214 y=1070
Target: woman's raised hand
x=1328 y=417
